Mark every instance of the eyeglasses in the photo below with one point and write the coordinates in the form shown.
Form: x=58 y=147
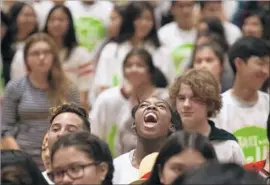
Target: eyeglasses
x=75 y=171
x=38 y=53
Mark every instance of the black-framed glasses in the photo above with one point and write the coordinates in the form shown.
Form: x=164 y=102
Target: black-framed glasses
x=75 y=171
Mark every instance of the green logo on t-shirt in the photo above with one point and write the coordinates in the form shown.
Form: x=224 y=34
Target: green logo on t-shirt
x=90 y=31
x=115 y=80
x=180 y=53
x=253 y=142
x=111 y=139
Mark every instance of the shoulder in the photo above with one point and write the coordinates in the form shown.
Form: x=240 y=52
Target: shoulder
x=167 y=27
x=111 y=97
x=231 y=27
x=263 y=96
x=16 y=87
x=122 y=159
x=110 y=47
x=17 y=83
x=105 y=4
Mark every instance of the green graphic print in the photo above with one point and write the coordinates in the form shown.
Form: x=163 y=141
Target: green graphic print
x=254 y=143
x=180 y=53
x=90 y=31
x=111 y=139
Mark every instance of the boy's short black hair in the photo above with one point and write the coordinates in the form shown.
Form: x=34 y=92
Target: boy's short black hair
x=203 y=3
x=247 y=47
x=72 y=108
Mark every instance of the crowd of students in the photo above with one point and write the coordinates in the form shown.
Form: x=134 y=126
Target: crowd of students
x=135 y=92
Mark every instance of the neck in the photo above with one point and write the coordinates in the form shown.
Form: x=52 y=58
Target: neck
x=59 y=42
x=244 y=93
x=135 y=41
x=21 y=36
x=145 y=147
x=267 y=163
x=39 y=80
x=202 y=128
x=142 y=92
x=186 y=26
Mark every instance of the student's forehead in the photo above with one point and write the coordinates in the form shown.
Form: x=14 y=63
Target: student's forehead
x=154 y=100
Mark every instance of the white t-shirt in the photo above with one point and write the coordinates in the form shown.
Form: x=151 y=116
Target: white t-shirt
x=111 y=119
x=109 y=70
x=228 y=151
x=247 y=123
x=180 y=43
x=124 y=172
x=78 y=67
x=90 y=21
x=232 y=32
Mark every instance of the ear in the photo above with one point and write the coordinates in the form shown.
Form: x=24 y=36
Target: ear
x=238 y=62
x=103 y=169
x=133 y=126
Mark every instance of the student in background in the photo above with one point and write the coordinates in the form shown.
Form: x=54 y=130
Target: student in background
x=214 y=9
x=180 y=35
x=245 y=109
x=91 y=18
x=27 y=100
x=138 y=30
x=23 y=23
x=76 y=61
x=196 y=97
x=43 y=8
x=210 y=56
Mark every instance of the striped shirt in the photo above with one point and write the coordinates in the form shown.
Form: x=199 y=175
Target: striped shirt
x=25 y=115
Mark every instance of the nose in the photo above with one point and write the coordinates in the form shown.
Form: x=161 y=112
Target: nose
x=60 y=134
x=151 y=107
x=41 y=56
x=66 y=179
x=187 y=103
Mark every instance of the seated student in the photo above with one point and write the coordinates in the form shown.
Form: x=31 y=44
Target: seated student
x=18 y=168
x=263 y=167
x=213 y=173
x=65 y=118
x=154 y=121
x=81 y=158
x=195 y=95
x=182 y=151
x=214 y=9
x=244 y=108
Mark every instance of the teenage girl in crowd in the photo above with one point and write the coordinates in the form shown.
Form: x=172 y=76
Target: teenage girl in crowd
x=22 y=24
x=75 y=60
x=27 y=100
x=182 y=151
x=80 y=158
x=137 y=30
